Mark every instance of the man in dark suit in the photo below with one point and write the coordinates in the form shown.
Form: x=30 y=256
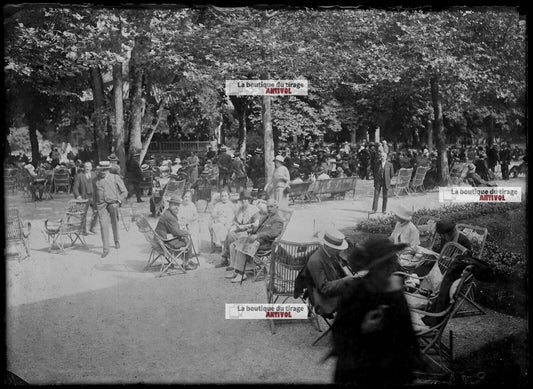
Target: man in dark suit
x=224 y=167
x=134 y=176
x=83 y=189
x=383 y=174
x=269 y=228
x=108 y=192
x=168 y=224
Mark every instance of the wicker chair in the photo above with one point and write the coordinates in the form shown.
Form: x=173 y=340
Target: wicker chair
x=71 y=225
x=418 y=179
x=287 y=260
x=402 y=181
x=18 y=233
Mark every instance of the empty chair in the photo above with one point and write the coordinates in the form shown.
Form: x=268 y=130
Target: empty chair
x=418 y=180
x=70 y=225
x=17 y=233
x=62 y=180
x=402 y=181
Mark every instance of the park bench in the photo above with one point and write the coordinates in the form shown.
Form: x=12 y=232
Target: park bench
x=297 y=191
x=332 y=186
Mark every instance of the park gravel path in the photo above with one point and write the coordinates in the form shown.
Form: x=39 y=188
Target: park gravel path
x=78 y=319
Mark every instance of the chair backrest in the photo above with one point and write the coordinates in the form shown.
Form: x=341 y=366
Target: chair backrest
x=175 y=187
x=404 y=177
x=426 y=227
x=148 y=232
x=13 y=225
x=300 y=189
x=477 y=237
x=287 y=259
x=420 y=175
x=448 y=254
x=76 y=213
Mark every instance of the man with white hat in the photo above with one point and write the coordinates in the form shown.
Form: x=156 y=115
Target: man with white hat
x=109 y=192
x=280 y=182
x=328 y=276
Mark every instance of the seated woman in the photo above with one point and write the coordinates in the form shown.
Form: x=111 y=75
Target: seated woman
x=474 y=179
x=188 y=219
x=406 y=232
x=221 y=219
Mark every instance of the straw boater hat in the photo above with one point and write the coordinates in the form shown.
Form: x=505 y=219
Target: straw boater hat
x=279 y=158
x=145 y=166
x=403 y=213
x=104 y=165
x=334 y=239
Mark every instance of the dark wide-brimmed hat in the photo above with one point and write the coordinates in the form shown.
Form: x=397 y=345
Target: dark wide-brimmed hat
x=113 y=158
x=174 y=199
x=245 y=195
x=374 y=252
x=444 y=226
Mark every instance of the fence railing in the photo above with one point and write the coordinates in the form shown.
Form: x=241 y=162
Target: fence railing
x=177 y=146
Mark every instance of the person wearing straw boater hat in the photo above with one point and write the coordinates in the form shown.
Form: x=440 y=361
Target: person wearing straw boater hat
x=168 y=224
x=404 y=230
x=327 y=275
x=373 y=338
x=134 y=176
x=109 y=192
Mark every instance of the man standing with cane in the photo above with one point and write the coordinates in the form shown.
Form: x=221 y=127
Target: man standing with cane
x=109 y=191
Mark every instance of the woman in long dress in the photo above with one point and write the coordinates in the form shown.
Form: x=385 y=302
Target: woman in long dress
x=188 y=219
x=221 y=219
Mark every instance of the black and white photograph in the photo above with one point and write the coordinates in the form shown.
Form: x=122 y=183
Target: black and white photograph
x=265 y=194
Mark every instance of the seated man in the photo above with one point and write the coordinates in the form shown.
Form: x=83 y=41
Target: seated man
x=327 y=275
x=448 y=233
x=37 y=183
x=269 y=228
x=168 y=224
x=475 y=179
x=246 y=218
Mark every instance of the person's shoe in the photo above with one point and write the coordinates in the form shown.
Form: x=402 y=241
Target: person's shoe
x=117 y=245
x=189 y=267
x=192 y=264
x=140 y=201
x=91 y=231
x=229 y=268
x=238 y=278
x=372 y=212
x=223 y=263
x=104 y=254
x=231 y=275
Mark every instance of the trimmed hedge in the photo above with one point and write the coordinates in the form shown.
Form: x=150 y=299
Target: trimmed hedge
x=509 y=267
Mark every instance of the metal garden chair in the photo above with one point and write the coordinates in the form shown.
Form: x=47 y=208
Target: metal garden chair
x=70 y=225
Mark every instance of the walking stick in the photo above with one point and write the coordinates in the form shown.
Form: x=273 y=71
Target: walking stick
x=121 y=216
x=192 y=245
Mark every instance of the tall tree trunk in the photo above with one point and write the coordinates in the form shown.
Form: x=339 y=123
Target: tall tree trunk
x=119 y=115
x=268 y=137
x=97 y=84
x=438 y=123
x=242 y=133
x=136 y=107
x=429 y=130
x=146 y=143
x=35 y=152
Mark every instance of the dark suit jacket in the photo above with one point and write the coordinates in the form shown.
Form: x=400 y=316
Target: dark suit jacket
x=82 y=186
x=387 y=173
x=168 y=224
x=270 y=227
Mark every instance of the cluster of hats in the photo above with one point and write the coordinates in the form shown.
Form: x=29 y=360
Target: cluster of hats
x=104 y=165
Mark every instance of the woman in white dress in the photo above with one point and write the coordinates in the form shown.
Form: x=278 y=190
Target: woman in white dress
x=188 y=219
x=221 y=219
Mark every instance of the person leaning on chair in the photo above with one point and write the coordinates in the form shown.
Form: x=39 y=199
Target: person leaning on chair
x=83 y=189
x=449 y=233
x=168 y=224
x=382 y=178
x=108 y=192
x=269 y=228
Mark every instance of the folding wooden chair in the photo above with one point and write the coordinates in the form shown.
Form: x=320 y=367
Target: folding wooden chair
x=167 y=256
x=18 y=233
x=402 y=181
x=477 y=237
x=433 y=348
x=71 y=225
x=418 y=180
